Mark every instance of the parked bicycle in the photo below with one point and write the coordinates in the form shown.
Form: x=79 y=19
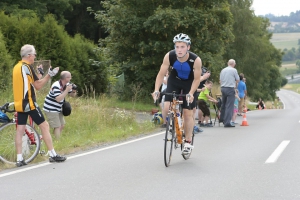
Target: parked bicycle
x=30 y=140
x=175 y=135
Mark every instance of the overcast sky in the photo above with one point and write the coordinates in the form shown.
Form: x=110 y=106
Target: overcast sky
x=276 y=7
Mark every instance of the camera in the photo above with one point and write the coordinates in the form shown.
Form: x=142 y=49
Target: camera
x=74 y=87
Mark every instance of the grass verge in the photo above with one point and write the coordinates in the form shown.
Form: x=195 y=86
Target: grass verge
x=94 y=122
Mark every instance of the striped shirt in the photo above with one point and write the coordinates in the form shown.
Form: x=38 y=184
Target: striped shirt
x=50 y=104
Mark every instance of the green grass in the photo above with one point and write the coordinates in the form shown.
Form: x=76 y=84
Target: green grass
x=292 y=87
x=94 y=122
x=285 y=40
x=138 y=106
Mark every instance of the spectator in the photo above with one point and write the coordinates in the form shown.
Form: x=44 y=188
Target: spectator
x=197 y=111
x=25 y=81
x=236 y=106
x=261 y=104
x=54 y=101
x=242 y=91
x=203 y=103
x=228 y=81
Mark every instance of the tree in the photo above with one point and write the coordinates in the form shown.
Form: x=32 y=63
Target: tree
x=256 y=57
x=5 y=65
x=81 y=21
x=40 y=7
x=298 y=64
x=141 y=33
x=77 y=55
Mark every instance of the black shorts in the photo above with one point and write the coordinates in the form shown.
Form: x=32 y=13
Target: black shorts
x=36 y=115
x=178 y=85
x=202 y=105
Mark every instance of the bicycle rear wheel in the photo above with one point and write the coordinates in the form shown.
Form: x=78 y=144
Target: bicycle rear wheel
x=187 y=156
x=30 y=143
x=169 y=140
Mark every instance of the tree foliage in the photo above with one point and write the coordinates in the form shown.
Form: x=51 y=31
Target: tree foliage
x=39 y=7
x=256 y=57
x=141 y=33
x=77 y=55
x=294 y=17
x=5 y=65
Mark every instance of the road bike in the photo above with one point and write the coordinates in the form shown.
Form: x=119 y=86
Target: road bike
x=30 y=139
x=175 y=136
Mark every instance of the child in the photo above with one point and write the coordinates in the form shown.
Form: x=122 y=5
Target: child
x=236 y=107
x=203 y=103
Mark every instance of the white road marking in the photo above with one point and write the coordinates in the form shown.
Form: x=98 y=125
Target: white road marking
x=278 y=151
x=79 y=155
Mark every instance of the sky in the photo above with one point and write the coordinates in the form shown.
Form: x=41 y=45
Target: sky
x=276 y=7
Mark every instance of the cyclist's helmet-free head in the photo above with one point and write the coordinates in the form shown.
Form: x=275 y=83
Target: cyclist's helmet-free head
x=3 y=117
x=181 y=37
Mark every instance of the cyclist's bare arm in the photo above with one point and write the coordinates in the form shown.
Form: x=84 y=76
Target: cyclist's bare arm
x=163 y=70
x=197 y=76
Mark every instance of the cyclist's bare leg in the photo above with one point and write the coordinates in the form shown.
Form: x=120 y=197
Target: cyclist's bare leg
x=188 y=116
x=18 y=138
x=165 y=110
x=46 y=135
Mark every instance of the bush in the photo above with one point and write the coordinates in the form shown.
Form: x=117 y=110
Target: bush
x=77 y=55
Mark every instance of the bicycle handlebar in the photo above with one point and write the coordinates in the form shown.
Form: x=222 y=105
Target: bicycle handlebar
x=5 y=107
x=178 y=95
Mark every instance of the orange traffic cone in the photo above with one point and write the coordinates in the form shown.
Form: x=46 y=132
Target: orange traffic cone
x=244 y=122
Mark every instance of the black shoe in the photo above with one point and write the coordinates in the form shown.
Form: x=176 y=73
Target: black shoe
x=21 y=163
x=57 y=158
x=229 y=125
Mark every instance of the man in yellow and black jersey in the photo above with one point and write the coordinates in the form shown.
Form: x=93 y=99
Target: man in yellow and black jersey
x=25 y=81
x=24 y=94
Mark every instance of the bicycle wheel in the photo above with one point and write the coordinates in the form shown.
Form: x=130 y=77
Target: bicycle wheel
x=30 y=143
x=43 y=148
x=187 y=156
x=169 y=140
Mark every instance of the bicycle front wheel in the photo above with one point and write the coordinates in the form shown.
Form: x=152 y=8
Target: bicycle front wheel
x=169 y=140
x=30 y=143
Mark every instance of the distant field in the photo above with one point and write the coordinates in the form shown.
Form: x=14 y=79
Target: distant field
x=288 y=68
x=293 y=87
x=285 y=40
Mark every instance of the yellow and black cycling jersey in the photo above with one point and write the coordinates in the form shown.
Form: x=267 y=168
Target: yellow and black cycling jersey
x=23 y=89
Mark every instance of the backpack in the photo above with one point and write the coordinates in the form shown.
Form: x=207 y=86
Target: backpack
x=66 y=108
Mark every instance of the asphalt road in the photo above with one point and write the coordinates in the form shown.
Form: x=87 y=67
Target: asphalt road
x=259 y=161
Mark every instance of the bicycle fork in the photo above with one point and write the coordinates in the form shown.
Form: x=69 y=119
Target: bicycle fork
x=178 y=131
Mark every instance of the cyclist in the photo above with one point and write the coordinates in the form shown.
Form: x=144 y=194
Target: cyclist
x=25 y=81
x=185 y=75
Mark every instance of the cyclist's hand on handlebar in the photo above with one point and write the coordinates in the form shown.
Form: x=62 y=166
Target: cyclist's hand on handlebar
x=189 y=98
x=155 y=95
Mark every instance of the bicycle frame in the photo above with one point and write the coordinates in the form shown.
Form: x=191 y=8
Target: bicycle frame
x=172 y=110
